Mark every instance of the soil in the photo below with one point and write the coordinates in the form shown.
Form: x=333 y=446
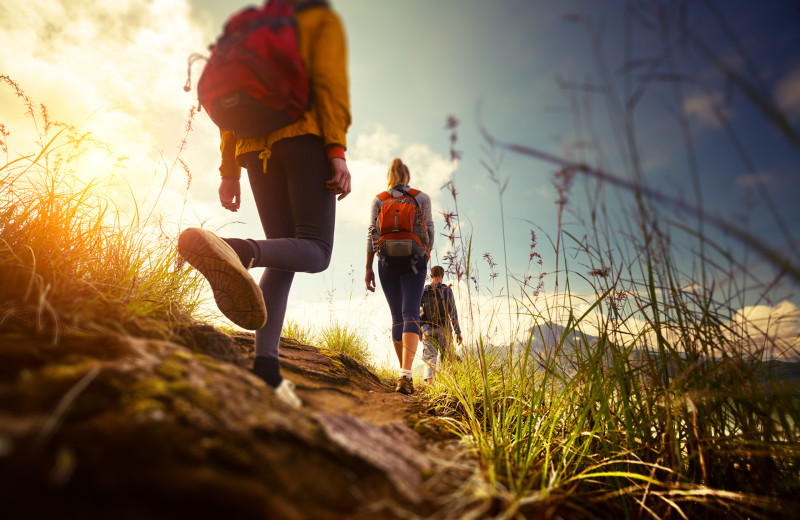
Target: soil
x=104 y=425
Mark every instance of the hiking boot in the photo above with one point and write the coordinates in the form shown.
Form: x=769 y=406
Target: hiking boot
x=404 y=386
x=236 y=293
x=285 y=393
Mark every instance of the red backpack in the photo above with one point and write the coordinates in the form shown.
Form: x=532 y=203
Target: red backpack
x=398 y=217
x=255 y=81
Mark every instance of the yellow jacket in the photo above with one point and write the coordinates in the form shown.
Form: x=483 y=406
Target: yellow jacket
x=323 y=49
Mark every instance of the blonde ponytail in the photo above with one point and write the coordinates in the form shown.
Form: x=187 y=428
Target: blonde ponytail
x=398 y=173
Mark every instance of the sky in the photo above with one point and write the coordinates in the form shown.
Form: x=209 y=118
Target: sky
x=703 y=86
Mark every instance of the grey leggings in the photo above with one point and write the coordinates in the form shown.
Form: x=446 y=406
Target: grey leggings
x=298 y=214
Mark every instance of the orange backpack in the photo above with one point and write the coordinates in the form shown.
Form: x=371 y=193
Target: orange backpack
x=397 y=220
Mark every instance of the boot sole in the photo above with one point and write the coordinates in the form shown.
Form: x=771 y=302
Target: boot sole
x=237 y=295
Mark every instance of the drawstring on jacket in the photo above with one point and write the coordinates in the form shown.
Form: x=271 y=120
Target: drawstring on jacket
x=265 y=154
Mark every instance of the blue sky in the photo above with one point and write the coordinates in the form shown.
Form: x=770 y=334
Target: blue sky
x=501 y=66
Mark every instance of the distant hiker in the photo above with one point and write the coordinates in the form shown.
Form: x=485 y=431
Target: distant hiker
x=401 y=233
x=295 y=174
x=438 y=312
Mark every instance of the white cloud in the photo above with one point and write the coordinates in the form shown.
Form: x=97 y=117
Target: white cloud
x=369 y=160
x=704 y=108
x=429 y=170
x=378 y=145
x=776 y=329
x=113 y=68
x=788 y=95
x=753 y=180
x=544 y=191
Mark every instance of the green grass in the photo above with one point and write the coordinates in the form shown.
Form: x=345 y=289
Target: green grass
x=335 y=336
x=668 y=411
x=615 y=435
x=341 y=338
x=70 y=260
x=665 y=411
x=303 y=333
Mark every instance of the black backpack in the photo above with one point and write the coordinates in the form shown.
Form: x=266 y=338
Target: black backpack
x=434 y=311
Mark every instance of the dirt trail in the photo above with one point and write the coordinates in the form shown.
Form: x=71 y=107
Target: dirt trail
x=334 y=385
x=337 y=390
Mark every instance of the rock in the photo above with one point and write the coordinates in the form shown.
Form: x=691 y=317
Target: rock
x=100 y=426
x=388 y=448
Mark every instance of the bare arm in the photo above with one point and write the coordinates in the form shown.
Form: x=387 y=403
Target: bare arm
x=369 y=278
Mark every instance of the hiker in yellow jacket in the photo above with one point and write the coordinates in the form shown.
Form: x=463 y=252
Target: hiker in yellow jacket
x=296 y=174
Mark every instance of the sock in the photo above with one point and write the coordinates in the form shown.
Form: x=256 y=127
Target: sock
x=268 y=369
x=405 y=373
x=243 y=250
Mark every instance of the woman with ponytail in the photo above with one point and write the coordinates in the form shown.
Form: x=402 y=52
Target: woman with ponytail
x=402 y=277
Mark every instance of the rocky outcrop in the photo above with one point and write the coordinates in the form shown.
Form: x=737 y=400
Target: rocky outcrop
x=109 y=426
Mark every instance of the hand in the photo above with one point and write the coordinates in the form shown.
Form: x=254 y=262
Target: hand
x=369 y=279
x=230 y=193
x=340 y=184
x=459 y=339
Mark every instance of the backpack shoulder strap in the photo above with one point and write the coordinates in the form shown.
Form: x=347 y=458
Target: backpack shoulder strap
x=410 y=193
x=384 y=196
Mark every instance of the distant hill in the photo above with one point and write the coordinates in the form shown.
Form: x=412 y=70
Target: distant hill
x=545 y=338
x=782 y=371
x=550 y=335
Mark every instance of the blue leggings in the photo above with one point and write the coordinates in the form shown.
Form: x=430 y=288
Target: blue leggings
x=297 y=213
x=403 y=290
